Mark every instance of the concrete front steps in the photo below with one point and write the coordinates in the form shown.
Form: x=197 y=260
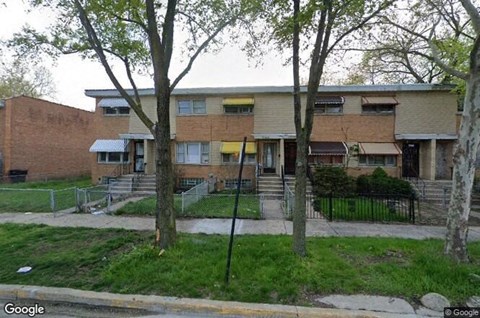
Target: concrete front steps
x=133 y=184
x=270 y=185
x=437 y=192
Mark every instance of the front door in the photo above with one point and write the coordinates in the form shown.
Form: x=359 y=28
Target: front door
x=290 y=157
x=410 y=159
x=269 y=154
x=139 y=159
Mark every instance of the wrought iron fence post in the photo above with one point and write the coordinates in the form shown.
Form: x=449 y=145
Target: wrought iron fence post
x=412 y=208
x=330 y=206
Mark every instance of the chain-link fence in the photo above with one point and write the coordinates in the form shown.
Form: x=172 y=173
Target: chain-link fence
x=194 y=195
x=93 y=198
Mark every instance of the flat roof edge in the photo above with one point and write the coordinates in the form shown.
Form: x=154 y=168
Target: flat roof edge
x=279 y=89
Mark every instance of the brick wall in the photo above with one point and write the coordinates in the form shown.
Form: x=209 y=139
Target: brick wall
x=47 y=139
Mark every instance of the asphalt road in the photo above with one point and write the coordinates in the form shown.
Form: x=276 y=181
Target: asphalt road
x=65 y=310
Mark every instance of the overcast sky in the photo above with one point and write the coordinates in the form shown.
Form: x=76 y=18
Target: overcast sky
x=72 y=75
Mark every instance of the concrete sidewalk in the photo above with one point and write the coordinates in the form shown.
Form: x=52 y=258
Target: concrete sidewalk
x=315 y=228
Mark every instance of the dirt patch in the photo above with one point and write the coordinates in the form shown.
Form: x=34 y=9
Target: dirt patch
x=432 y=214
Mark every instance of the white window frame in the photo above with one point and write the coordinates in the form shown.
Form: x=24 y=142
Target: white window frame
x=193 y=107
x=124 y=157
x=200 y=157
x=370 y=160
x=116 y=111
x=233 y=158
x=238 y=110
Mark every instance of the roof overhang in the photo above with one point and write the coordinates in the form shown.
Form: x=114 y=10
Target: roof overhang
x=426 y=136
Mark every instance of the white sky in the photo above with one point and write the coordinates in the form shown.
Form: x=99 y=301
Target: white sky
x=72 y=75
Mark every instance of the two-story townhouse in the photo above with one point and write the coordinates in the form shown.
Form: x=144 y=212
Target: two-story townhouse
x=408 y=130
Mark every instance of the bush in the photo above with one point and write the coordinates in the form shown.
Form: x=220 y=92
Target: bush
x=380 y=183
x=333 y=180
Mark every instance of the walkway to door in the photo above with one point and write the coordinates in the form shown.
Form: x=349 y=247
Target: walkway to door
x=273 y=209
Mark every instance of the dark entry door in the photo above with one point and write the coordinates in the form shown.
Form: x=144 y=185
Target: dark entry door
x=410 y=159
x=290 y=157
x=139 y=164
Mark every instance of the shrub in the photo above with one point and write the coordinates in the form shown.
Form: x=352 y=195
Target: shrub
x=333 y=180
x=380 y=183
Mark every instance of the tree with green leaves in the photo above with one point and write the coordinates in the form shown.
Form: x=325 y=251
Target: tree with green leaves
x=313 y=30
x=140 y=35
x=21 y=78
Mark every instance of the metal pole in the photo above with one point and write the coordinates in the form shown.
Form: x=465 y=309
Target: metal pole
x=235 y=208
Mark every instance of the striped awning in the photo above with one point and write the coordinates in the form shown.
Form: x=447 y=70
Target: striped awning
x=327 y=148
x=113 y=102
x=109 y=145
x=379 y=148
x=236 y=147
x=329 y=100
x=377 y=100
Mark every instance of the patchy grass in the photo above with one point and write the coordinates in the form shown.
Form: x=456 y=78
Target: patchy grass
x=36 y=196
x=263 y=267
x=212 y=206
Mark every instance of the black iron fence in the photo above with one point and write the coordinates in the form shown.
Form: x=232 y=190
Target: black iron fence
x=369 y=208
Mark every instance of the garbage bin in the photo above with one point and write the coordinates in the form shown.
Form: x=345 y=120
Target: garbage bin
x=17 y=175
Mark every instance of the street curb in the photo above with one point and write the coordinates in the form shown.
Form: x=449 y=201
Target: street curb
x=172 y=305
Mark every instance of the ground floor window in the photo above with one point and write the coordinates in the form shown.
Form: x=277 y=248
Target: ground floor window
x=193 y=152
x=190 y=182
x=235 y=157
x=326 y=160
x=378 y=160
x=232 y=183
x=112 y=157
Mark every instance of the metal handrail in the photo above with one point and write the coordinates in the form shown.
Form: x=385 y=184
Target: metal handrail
x=282 y=169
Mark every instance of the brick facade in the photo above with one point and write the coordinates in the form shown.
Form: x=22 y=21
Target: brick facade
x=47 y=139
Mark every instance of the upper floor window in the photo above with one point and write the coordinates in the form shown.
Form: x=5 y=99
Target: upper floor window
x=379 y=105
x=193 y=152
x=238 y=105
x=191 y=106
x=114 y=106
x=116 y=111
x=329 y=104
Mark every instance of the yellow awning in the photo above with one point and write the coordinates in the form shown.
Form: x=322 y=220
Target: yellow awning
x=236 y=147
x=238 y=101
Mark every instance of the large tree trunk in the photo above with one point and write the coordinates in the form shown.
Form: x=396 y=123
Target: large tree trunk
x=299 y=214
x=165 y=214
x=464 y=165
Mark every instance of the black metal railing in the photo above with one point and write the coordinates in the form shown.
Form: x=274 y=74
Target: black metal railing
x=367 y=208
x=282 y=172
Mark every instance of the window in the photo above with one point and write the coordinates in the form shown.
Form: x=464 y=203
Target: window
x=112 y=157
x=193 y=152
x=189 y=182
x=326 y=159
x=232 y=183
x=191 y=106
x=378 y=109
x=329 y=104
x=378 y=160
x=115 y=111
x=238 y=109
x=235 y=157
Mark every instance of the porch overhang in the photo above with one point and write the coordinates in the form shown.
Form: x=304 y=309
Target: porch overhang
x=426 y=136
x=274 y=136
x=113 y=102
x=109 y=145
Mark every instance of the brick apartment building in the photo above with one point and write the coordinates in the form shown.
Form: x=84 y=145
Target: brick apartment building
x=44 y=139
x=409 y=130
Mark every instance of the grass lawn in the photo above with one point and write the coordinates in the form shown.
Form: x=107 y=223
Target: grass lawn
x=213 y=206
x=35 y=196
x=263 y=267
x=363 y=209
